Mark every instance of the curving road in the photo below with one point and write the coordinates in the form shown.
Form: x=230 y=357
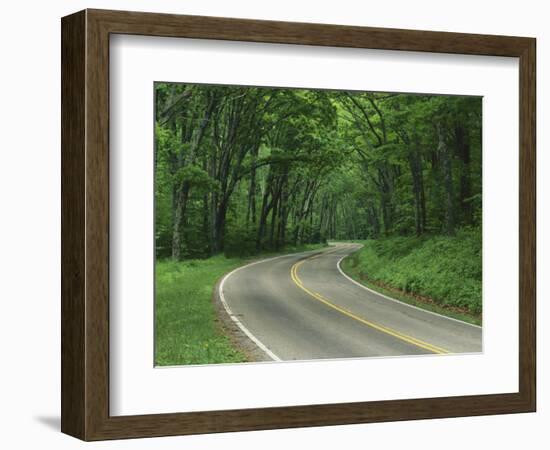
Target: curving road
x=302 y=306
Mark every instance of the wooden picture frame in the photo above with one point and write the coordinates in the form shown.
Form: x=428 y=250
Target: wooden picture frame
x=85 y=224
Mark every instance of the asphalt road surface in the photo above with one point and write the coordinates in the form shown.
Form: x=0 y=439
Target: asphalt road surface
x=302 y=306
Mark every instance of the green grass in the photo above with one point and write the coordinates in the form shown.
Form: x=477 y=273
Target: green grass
x=438 y=273
x=186 y=327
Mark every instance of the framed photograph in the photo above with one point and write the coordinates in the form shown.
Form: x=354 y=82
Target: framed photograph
x=273 y=225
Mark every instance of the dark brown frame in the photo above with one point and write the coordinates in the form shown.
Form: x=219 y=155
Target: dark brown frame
x=85 y=224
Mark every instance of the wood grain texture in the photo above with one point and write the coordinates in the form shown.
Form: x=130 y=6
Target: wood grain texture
x=85 y=224
x=73 y=225
x=170 y=25
x=527 y=224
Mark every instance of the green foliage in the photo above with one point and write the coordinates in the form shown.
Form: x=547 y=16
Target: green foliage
x=186 y=327
x=310 y=165
x=443 y=268
x=244 y=170
x=186 y=330
x=197 y=178
x=240 y=241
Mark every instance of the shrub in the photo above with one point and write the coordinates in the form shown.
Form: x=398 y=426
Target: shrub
x=445 y=268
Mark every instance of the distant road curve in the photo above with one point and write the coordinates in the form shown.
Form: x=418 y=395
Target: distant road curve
x=302 y=306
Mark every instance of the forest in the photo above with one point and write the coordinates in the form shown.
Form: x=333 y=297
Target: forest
x=241 y=170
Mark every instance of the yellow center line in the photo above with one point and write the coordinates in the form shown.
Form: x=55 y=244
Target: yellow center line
x=346 y=312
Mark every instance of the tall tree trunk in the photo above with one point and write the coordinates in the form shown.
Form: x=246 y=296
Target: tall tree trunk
x=415 y=166
x=206 y=218
x=463 y=150
x=279 y=236
x=263 y=215
x=251 y=209
x=334 y=218
x=374 y=221
x=179 y=215
x=180 y=205
x=301 y=213
x=385 y=188
x=422 y=204
x=322 y=217
x=219 y=225
x=206 y=209
x=274 y=212
x=447 y=166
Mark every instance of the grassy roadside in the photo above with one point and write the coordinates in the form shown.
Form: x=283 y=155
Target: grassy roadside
x=438 y=273
x=186 y=326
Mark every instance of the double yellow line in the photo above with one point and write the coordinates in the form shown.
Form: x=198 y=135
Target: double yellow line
x=382 y=328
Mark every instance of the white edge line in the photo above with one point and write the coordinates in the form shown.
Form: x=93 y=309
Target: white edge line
x=245 y=330
x=398 y=301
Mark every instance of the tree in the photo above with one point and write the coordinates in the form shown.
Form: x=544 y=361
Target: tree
x=244 y=169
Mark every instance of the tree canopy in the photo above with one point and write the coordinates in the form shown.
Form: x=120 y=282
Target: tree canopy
x=244 y=169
